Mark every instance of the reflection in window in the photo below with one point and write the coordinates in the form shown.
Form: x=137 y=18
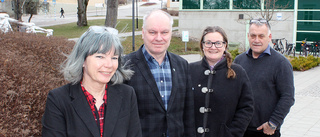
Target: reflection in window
x=215 y=4
x=280 y=4
x=191 y=4
x=246 y=4
x=310 y=36
x=308 y=26
x=302 y=15
x=307 y=4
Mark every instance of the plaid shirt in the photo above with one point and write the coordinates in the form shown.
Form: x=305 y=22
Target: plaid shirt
x=92 y=101
x=161 y=74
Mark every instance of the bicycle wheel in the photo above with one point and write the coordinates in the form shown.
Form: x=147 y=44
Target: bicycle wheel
x=281 y=49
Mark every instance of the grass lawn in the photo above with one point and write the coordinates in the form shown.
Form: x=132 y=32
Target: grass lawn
x=71 y=30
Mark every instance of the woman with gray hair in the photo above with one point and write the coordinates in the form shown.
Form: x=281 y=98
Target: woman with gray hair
x=95 y=103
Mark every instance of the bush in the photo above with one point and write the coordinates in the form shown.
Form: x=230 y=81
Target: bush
x=29 y=68
x=234 y=53
x=303 y=63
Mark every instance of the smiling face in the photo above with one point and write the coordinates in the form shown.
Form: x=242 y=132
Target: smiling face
x=259 y=37
x=99 y=68
x=156 y=34
x=213 y=54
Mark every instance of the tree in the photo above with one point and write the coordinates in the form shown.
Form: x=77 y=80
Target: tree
x=18 y=9
x=112 y=13
x=31 y=7
x=268 y=7
x=82 y=13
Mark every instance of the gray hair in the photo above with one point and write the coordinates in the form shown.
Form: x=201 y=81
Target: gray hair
x=145 y=17
x=260 y=22
x=97 y=39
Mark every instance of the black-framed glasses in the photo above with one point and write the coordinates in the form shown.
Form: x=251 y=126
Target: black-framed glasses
x=260 y=21
x=217 y=44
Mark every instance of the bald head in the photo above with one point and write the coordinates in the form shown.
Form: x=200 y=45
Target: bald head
x=157 y=14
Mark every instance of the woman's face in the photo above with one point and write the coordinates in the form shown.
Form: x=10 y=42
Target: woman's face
x=99 y=68
x=213 y=54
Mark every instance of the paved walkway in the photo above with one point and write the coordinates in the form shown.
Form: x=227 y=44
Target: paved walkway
x=304 y=117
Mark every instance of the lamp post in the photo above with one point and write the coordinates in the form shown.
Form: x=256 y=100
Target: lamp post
x=133 y=25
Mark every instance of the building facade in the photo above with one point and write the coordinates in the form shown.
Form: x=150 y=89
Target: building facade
x=294 y=20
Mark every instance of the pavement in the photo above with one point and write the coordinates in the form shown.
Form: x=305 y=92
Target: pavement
x=303 y=119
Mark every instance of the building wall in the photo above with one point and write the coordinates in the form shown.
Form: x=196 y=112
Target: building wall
x=236 y=29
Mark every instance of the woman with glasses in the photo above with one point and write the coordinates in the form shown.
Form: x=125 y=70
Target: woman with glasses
x=222 y=91
x=95 y=103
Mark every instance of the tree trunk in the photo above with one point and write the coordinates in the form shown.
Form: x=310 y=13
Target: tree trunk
x=30 y=17
x=82 y=13
x=17 y=9
x=112 y=13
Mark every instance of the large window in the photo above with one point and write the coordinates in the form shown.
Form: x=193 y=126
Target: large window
x=216 y=4
x=246 y=4
x=280 y=4
x=309 y=4
x=308 y=15
x=191 y=4
x=308 y=26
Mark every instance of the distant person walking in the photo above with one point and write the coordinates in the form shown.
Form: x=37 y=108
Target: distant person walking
x=62 y=13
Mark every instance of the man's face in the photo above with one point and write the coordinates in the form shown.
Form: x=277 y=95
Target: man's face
x=259 y=38
x=156 y=34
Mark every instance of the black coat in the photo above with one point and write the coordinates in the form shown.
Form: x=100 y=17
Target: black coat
x=155 y=119
x=68 y=113
x=231 y=101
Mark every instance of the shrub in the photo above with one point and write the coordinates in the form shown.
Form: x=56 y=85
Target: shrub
x=303 y=63
x=234 y=53
x=29 y=68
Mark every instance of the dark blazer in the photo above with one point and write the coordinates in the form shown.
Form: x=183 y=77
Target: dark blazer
x=155 y=120
x=231 y=101
x=68 y=113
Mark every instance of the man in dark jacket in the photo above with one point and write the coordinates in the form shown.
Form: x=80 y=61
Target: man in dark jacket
x=161 y=82
x=271 y=78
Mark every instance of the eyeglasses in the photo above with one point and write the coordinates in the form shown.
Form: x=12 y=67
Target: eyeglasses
x=260 y=21
x=217 y=44
x=101 y=29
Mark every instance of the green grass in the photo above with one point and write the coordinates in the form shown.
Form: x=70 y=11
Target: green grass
x=71 y=30
x=176 y=45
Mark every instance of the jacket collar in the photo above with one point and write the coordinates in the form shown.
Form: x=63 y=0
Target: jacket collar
x=82 y=108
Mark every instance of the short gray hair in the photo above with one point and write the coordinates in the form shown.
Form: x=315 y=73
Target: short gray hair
x=97 y=39
x=156 y=11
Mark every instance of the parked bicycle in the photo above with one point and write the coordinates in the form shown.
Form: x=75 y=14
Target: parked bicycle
x=306 y=48
x=290 y=48
x=277 y=45
x=316 y=48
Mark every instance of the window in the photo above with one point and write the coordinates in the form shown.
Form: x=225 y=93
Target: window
x=191 y=4
x=216 y=4
x=309 y=4
x=246 y=4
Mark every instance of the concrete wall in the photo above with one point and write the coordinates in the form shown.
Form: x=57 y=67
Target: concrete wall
x=236 y=29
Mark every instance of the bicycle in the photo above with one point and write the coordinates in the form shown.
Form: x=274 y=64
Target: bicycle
x=305 y=47
x=277 y=45
x=316 y=48
x=290 y=48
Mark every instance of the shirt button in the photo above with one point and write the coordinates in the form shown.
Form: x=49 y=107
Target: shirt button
x=162 y=96
x=161 y=81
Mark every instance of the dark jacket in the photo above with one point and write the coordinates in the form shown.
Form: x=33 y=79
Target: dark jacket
x=68 y=113
x=231 y=101
x=272 y=82
x=155 y=119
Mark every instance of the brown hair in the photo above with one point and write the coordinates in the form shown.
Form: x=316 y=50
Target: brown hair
x=211 y=29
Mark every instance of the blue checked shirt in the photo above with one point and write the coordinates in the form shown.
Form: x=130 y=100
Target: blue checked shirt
x=161 y=74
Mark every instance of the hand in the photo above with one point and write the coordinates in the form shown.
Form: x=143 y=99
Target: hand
x=266 y=129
